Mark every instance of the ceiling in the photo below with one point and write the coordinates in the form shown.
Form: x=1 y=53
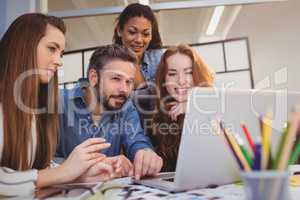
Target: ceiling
x=58 y=5
x=176 y=26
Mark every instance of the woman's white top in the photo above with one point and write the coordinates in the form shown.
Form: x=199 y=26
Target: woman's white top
x=18 y=183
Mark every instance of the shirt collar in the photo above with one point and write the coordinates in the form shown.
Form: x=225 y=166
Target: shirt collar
x=76 y=92
x=146 y=58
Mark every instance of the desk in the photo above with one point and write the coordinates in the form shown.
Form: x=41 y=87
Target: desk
x=124 y=189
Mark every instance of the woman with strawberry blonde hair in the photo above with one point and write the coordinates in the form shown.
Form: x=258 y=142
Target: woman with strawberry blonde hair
x=181 y=68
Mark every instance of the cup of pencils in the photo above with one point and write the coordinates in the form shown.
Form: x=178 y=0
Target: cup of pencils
x=266 y=185
x=265 y=176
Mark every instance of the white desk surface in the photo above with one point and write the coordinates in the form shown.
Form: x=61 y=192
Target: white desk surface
x=123 y=189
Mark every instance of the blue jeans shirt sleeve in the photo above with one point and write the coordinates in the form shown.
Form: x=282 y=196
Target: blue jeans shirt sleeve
x=129 y=133
x=133 y=137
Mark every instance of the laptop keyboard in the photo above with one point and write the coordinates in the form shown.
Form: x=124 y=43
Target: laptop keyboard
x=169 y=179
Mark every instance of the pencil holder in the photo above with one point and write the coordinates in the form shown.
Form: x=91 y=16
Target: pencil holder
x=266 y=185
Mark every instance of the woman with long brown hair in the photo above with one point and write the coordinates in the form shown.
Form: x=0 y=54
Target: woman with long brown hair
x=180 y=69
x=30 y=54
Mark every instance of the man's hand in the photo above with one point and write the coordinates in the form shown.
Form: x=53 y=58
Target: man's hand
x=146 y=162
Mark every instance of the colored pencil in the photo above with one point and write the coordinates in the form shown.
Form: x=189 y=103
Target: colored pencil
x=280 y=147
x=290 y=138
x=260 y=119
x=248 y=137
x=266 y=137
x=231 y=147
x=244 y=150
x=247 y=155
x=257 y=157
x=236 y=149
x=296 y=153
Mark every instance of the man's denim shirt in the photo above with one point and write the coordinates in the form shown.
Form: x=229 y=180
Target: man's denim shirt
x=120 y=128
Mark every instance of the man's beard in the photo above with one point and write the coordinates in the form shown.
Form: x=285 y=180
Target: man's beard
x=104 y=99
x=107 y=106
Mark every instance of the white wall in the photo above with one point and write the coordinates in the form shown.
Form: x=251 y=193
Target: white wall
x=273 y=30
x=89 y=31
x=274 y=35
x=11 y=9
x=2 y=17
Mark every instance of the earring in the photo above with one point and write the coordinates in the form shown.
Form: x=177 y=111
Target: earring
x=118 y=32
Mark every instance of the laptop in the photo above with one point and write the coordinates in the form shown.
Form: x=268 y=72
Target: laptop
x=204 y=158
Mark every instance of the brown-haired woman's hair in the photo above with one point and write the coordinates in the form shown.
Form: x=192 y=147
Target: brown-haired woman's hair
x=138 y=10
x=18 y=53
x=167 y=143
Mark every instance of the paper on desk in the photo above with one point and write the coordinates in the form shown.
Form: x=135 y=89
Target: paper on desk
x=295 y=181
x=130 y=191
x=74 y=191
x=124 y=189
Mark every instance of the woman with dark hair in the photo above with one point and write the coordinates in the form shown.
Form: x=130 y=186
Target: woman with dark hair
x=137 y=29
x=30 y=53
x=180 y=69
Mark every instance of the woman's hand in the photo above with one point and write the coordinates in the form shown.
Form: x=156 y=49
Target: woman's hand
x=122 y=166
x=177 y=108
x=101 y=171
x=83 y=157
